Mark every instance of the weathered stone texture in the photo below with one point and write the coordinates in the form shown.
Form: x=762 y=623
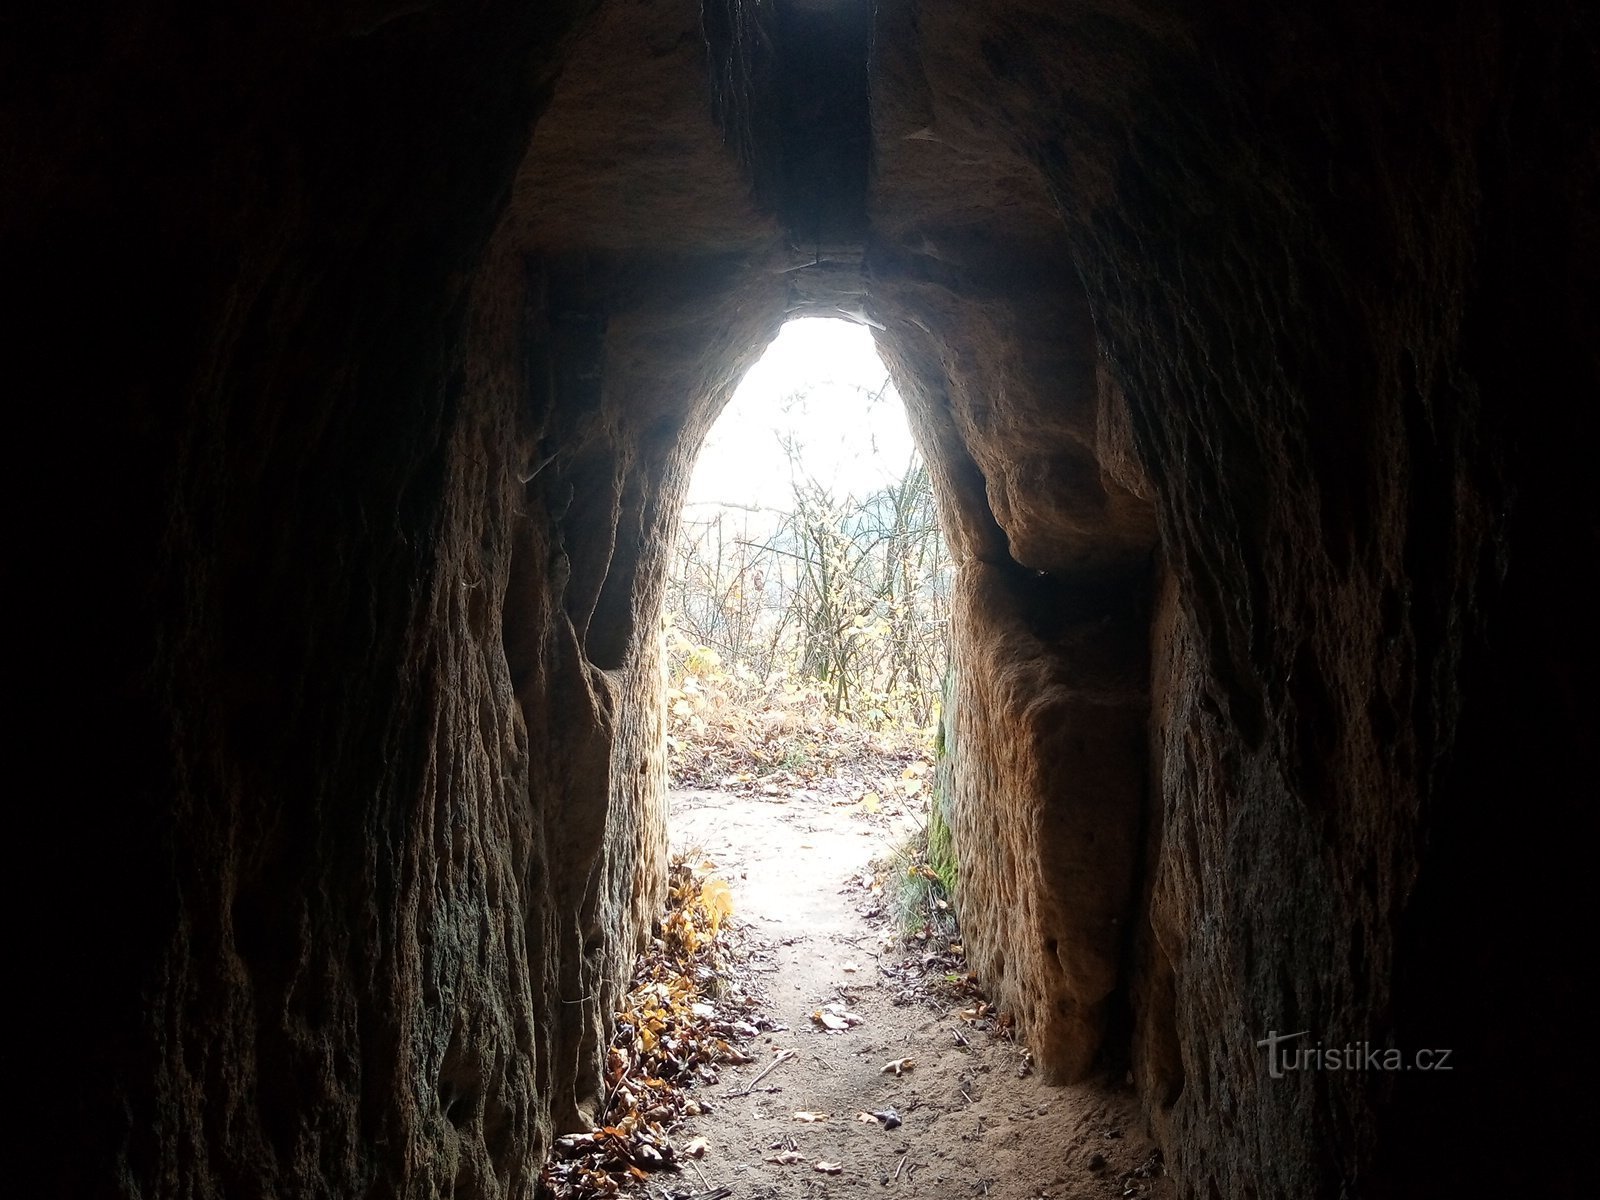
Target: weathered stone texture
x=1047 y=762
x=1048 y=779
x=990 y=337
x=1311 y=330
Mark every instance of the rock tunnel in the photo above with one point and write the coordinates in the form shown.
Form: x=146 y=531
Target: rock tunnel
x=362 y=353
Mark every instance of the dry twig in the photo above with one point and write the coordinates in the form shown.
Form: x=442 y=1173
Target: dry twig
x=783 y=1057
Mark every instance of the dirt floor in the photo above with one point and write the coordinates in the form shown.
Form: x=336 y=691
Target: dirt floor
x=966 y=1117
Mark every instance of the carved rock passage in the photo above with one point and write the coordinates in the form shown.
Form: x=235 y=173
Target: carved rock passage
x=1250 y=347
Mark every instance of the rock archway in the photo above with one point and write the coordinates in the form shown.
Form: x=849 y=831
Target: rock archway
x=1241 y=339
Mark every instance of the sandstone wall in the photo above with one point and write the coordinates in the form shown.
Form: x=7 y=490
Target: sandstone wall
x=1048 y=694
x=1308 y=243
x=297 y=939
x=402 y=371
x=991 y=340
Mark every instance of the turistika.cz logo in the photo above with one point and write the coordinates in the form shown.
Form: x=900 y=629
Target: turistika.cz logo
x=1351 y=1056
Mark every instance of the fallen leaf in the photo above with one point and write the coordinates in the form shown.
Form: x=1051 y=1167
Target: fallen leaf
x=898 y=1067
x=865 y=1118
x=850 y=966
x=697 y=1148
x=784 y=1158
x=828 y=1021
x=648 y=1157
x=828 y=1168
x=841 y=1013
x=810 y=1118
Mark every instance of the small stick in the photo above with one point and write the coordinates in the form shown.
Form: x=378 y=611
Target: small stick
x=605 y=1109
x=783 y=1057
x=960 y=1039
x=704 y=1181
x=902 y=1165
x=968 y=1097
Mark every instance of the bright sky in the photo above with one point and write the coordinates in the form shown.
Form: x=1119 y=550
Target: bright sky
x=847 y=442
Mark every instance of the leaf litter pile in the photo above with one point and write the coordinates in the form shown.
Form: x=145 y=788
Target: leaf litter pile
x=688 y=1006
x=727 y=731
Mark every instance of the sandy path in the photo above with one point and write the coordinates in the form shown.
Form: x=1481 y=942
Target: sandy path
x=973 y=1123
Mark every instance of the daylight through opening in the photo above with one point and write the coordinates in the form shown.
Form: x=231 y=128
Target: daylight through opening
x=808 y=601
x=809 y=588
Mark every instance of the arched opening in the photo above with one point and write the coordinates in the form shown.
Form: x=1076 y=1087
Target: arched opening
x=813 y=880
x=809 y=562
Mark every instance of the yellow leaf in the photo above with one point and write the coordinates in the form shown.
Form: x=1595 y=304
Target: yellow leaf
x=717 y=899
